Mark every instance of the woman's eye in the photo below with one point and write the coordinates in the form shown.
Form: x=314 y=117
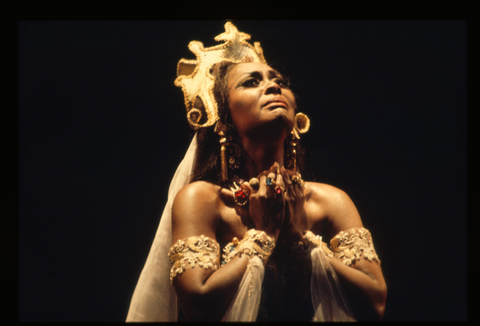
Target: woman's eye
x=251 y=82
x=281 y=82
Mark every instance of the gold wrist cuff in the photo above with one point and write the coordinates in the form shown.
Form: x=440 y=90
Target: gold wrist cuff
x=254 y=243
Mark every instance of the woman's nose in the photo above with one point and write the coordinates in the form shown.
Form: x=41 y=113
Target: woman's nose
x=273 y=88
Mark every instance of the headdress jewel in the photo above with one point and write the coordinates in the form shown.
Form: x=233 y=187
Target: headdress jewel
x=196 y=80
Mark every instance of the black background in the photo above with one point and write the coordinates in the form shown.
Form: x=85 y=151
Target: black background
x=103 y=128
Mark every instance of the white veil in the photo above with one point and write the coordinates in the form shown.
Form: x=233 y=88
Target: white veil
x=154 y=298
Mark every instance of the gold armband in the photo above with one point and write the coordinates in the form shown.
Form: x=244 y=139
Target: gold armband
x=196 y=249
x=254 y=243
x=353 y=244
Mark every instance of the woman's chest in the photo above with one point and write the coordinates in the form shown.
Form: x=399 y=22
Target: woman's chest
x=236 y=221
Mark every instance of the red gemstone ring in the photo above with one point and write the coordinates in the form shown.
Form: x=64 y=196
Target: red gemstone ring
x=279 y=189
x=240 y=194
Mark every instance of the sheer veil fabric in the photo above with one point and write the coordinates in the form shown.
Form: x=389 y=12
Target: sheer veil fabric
x=154 y=298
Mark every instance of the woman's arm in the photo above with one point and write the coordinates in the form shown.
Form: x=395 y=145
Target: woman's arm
x=362 y=281
x=203 y=294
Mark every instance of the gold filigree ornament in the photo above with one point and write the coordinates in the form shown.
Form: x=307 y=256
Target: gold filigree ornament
x=196 y=80
x=254 y=243
x=194 y=250
x=352 y=244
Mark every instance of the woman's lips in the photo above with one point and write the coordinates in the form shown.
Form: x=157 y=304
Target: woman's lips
x=274 y=104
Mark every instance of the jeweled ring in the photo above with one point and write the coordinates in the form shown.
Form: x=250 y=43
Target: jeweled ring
x=269 y=182
x=296 y=178
x=279 y=189
x=254 y=183
x=240 y=194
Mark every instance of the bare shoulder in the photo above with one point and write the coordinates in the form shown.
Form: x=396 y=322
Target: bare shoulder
x=335 y=205
x=195 y=210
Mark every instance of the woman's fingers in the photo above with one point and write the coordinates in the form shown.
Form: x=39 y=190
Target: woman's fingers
x=248 y=187
x=265 y=209
x=268 y=180
x=270 y=183
x=299 y=194
x=280 y=184
x=289 y=190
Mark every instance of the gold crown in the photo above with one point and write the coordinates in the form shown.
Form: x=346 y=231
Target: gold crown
x=196 y=80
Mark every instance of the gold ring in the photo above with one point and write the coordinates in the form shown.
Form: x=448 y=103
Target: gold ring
x=297 y=178
x=254 y=183
x=240 y=194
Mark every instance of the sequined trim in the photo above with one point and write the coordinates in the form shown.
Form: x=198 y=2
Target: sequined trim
x=352 y=244
x=199 y=250
x=254 y=243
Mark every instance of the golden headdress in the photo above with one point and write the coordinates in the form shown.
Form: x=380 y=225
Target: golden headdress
x=196 y=80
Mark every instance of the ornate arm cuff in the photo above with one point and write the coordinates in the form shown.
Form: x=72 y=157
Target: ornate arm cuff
x=254 y=243
x=352 y=244
x=196 y=249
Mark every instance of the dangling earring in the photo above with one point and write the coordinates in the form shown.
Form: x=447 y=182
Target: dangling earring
x=233 y=150
x=302 y=124
x=220 y=128
x=227 y=149
x=240 y=194
x=291 y=152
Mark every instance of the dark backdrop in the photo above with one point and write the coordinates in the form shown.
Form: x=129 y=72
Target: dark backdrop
x=102 y=129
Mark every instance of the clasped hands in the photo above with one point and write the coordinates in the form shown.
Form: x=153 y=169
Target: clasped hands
x=276 y=211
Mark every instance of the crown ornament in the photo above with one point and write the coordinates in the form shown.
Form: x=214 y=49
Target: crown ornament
x=196 y=80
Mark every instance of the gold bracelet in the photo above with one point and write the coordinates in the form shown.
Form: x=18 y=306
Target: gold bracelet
x=199 y=250
x=254 y=243
x=352 y=244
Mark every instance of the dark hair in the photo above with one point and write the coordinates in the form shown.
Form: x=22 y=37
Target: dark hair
x=207 y=159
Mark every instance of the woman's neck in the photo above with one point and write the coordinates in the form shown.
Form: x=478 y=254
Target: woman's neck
x=258 y=157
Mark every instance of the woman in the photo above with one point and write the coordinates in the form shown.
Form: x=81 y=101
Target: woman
x=274 y=266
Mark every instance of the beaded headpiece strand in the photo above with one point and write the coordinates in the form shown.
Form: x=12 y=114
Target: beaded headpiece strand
x=196 y=80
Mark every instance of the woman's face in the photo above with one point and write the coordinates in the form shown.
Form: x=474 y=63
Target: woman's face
x=261 y=104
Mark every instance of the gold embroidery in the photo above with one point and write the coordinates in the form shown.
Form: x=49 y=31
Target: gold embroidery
x=196 y=249
x=353 y=244
x=254 y=243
